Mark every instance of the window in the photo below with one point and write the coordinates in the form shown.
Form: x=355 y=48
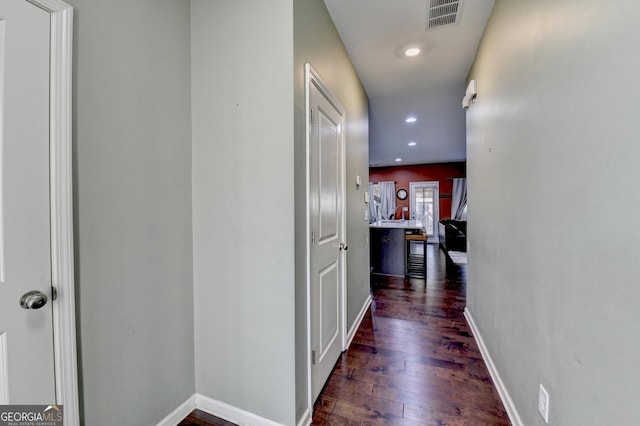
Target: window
x=425 y=205
x=376 y=193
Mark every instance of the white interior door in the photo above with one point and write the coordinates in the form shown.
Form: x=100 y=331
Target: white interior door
x=327 y=251
x=26 y=335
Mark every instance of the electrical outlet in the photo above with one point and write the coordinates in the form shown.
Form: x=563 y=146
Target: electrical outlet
x=543 y=403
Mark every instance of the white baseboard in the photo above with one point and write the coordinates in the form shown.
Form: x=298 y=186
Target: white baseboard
x=237 y=415
x=215 y=408
x=306 y=418
x=356 y=324
x=177 y=415
x=231 y=413
x=508 y=403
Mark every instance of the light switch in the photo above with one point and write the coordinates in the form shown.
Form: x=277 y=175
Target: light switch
x=358 y=181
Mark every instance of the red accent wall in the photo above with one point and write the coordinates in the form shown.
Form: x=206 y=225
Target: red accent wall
x=402 y=175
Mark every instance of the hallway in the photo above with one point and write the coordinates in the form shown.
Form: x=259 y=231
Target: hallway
x=413 y=360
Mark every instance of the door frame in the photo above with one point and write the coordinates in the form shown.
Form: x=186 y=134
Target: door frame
x=312 y=77
x=61 y=207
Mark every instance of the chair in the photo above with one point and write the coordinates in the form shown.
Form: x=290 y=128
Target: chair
x=416 y=263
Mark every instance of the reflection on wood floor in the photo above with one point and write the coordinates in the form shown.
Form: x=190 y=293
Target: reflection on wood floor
x=413 y=360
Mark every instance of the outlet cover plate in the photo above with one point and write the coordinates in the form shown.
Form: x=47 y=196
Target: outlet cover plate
x=543 y=403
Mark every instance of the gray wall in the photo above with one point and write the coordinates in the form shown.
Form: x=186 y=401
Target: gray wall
x=143 y=272
x=553 y=170
x=243 y=204
x=132 y=168
x=316 y=41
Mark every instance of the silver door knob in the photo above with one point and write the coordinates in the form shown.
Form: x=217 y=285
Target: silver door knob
x=33 y=300
x=344 y=246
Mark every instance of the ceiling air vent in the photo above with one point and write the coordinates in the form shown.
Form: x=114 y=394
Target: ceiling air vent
x=442 y=13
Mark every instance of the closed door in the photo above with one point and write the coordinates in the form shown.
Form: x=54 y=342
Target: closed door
x=26 y=334
x=327 y=245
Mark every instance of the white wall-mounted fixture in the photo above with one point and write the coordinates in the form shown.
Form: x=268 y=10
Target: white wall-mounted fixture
x=543 y=403
x=358 y=180
x=470 y=95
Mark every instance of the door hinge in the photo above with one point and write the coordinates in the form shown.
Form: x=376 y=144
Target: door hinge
x=313 y=357
x=311 y=113
x=313 y=237
x=54 y=293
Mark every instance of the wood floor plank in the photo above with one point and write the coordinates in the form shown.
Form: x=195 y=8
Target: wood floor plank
x=453 y=414
x=343 y=387
x=324 y=418
x=325 y=403
x=428 y=387
x=371 y=416
x=379 y=406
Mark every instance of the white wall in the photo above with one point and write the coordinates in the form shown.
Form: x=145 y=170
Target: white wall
x=132 y=200
x=243 y=204
x=317 y=42
x=552 y=170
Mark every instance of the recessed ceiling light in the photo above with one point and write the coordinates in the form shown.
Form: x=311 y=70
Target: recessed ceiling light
x=412 y=143
x=398 y=160
x=411 y=120
x=412 y=51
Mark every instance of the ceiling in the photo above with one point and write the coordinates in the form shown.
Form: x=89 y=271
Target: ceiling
x=429 y=86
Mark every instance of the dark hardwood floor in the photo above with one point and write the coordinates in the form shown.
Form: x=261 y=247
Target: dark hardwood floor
x=200 y=418
x=413 y=360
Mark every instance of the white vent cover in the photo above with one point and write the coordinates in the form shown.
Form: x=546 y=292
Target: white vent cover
x=442 y=13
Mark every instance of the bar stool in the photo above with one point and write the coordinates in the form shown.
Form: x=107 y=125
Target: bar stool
x=416 y=264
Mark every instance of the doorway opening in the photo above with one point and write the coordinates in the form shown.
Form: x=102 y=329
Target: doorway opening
x=424 y=206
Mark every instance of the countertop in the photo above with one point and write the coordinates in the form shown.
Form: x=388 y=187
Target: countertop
x=397 y=224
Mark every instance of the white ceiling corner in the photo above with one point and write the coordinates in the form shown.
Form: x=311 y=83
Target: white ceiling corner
x=429 y=86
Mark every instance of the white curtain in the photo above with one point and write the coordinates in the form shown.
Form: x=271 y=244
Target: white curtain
x=459 y=199
x=373 y=205
x=387 y=199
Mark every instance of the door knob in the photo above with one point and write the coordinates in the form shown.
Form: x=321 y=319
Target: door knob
x=33 y=300
x=344 y=246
